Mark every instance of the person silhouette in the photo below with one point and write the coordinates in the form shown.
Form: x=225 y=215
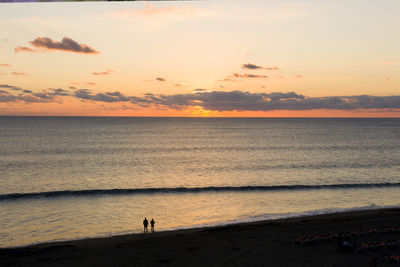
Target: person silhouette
x=152 y=222
x=145 y=224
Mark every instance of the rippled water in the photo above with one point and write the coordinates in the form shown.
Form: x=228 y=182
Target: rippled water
x=66 y=178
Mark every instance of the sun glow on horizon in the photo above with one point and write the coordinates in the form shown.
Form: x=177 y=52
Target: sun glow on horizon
x=141 y=59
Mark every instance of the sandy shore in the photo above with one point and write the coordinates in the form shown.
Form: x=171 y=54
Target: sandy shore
x=267 y=243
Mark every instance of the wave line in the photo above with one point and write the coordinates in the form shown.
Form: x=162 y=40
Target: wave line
x=133 y=191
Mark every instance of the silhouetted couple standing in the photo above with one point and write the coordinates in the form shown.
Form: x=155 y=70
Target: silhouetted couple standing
x=146 y=224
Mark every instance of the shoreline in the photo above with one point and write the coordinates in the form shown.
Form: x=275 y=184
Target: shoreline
x=260 y=242
x=282 y=216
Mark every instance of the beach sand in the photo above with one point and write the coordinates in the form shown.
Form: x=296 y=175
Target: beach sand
x=267 y=243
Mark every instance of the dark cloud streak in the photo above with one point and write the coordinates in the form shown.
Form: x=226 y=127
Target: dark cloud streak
x=246 y=75
x=11 y=87
x=246 y=101
x=109 y=97
x=211 y=100
x=27 y=98
x=42 y=44
x=59 y=92
x=250 y=66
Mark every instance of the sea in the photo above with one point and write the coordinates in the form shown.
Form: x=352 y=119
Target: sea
x=64 y=178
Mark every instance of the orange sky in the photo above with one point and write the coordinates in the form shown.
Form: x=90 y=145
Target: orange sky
x=148 y=59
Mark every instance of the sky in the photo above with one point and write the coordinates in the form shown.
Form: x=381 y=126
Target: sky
x=256 y=58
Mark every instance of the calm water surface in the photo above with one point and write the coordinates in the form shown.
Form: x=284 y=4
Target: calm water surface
x=67 y=178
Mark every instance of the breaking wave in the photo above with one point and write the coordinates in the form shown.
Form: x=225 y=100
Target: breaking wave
x=177 y=190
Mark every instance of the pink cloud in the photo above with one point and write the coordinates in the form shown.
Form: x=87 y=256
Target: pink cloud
x=387 y=63
x=18 y=73
x=179 y=84
x=23 y=49
x=108 y=71
x=228 y=79
x=151 y=10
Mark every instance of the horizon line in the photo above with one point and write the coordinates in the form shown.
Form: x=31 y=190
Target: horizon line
x=190 y=117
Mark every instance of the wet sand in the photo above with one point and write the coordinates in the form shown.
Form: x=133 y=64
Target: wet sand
x=267 y=243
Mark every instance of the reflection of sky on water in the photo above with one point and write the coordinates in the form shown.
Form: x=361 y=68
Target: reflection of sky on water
x=39 y=220
x=57 y=154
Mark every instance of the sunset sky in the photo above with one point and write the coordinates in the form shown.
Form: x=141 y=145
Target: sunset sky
x=201 y=58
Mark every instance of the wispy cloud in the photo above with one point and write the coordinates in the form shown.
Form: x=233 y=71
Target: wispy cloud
x=24 y=49
x=228 y=79
x=211 y=100
x=387 y=63
x=109 y=97
x=5 y=65
x=250 y=66
x=179 y=84
x=43 y=44
x=246 y=101
x=11 y=87
x=151 y=10
x=3 y=40
x=7 y=97
x=246 y=75
x=101 y=73
x=19 y=73
x=231 y=78
x=44 y=96
x=156 y=17
x=28 y=97
x=59 y=92
x=108 y=71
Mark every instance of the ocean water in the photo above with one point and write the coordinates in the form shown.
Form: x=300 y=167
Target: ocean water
x=67 y=178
